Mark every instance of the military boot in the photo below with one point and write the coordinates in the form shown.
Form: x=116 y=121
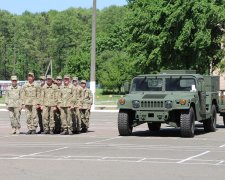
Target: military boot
x=29 y=132
x=84 y=130
x=64 y=132
x=13 y=130
x=33 y=132
x=18 y=130
x=45 y=132
x=70 y=132
x=51 y=132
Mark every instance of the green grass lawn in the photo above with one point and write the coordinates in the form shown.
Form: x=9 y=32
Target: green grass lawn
x=2 y=100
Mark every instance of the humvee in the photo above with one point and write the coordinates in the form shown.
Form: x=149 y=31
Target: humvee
x=222 y=104
x=175 y=97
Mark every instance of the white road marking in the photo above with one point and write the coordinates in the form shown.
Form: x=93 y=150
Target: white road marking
x=192 y=157
x=222 y=146
x=141 y=160
x=27 y=155
x=103 y=140
x=219 y=163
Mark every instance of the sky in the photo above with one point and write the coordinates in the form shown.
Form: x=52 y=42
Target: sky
x=19 y=6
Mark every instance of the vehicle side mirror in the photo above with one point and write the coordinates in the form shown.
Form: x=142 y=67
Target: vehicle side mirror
x=126 y=87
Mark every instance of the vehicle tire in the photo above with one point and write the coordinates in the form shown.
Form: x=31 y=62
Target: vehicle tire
x=187 y=123
x=124 y=125
x=154 y=126
x=210 y=124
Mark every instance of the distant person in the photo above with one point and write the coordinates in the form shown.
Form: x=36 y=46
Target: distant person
x=39 y=110
x=66 y=104
x=86 y=106
x=31 y=102
x=49 y=103
x=76 y=117
x=13 y=103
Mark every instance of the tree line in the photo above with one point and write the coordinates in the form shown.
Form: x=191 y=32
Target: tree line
x=141 y=37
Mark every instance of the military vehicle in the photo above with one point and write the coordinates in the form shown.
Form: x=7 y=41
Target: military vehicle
x=175 y=97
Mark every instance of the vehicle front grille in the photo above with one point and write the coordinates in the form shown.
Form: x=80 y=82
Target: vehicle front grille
x=152 y=104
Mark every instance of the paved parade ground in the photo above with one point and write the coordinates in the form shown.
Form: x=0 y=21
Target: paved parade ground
x=102 y=154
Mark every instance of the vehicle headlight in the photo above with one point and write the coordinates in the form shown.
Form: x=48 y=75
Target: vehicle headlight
x=182 y=101
x=122 y=101
x=136 y=104
x=168 y=104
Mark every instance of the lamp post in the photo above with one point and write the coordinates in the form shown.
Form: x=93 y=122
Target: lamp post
x=93 y=55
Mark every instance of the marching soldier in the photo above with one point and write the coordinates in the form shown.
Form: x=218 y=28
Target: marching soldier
x=49 y=99
x=86 y=106
x=57 y=118
x=65 y=103
x=39 y=110
x=30 y=102
x=76 y=111
x=13 y=103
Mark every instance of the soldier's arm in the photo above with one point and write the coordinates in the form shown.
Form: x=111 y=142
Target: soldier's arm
x=7 y=96
x=90 y=98
x=23 y=95
x=42 y=92
x=38 y=93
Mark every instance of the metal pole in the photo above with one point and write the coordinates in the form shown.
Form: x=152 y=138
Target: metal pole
x=51 y=67
x=93 y=54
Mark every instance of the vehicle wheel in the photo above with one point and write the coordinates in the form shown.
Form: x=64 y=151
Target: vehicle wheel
x=210 y=124
x=187 y=123
x=154 y=126
x=124 y=126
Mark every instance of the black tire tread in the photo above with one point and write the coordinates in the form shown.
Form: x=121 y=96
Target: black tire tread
x=185 y=123
x=124 y=127
x=209 y=123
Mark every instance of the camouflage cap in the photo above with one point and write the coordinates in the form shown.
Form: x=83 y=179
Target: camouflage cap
x=66 y=76
x=31 y=74
x=42 y=77
x=83 y=82
x=49 y=77
x=14 y=78
x=59 y=77
x=75 y=78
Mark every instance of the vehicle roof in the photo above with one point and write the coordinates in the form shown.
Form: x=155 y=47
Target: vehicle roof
x=168 y=75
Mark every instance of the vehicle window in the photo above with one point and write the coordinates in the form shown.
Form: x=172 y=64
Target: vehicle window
x=147 y=84
x=179 y=84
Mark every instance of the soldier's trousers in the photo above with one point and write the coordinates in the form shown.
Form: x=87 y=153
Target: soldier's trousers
x=48 y=117
x=66 y=118
x=76 y=118
x=31 y=113
x=14 y=115
x=85 y=115
x=40 y=119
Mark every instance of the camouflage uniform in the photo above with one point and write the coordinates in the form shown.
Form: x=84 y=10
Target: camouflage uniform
x=57 y=112
x=49 y=102
x=76 y=116
x=31 y=98
x=86 y=107
x=39 y=110
x=65 y=102
x=13 y=103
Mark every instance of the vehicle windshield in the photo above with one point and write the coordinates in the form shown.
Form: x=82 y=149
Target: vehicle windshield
x=180 y=84
x=147 y=84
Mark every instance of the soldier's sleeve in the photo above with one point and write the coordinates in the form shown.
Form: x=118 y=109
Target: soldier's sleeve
x=42 y=95
x=23 y=95
x=81 y=95
x=20 y=96
x=90 y=98
x=59 y=97
x=7 y=96
x=38 y=90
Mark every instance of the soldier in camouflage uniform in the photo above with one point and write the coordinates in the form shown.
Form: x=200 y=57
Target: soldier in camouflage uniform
x=66 y=104
x=86 y=106
x=13 y=103
x=39 y=110
x=31 y=101
x=57 y=118
x=76 y=118
x=49 y=99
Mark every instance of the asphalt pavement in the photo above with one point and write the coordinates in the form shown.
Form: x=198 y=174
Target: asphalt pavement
x=103 y=154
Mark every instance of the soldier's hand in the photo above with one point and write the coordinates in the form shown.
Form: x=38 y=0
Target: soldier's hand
x=41 y=107
x=55 y=108
x=38 y=106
